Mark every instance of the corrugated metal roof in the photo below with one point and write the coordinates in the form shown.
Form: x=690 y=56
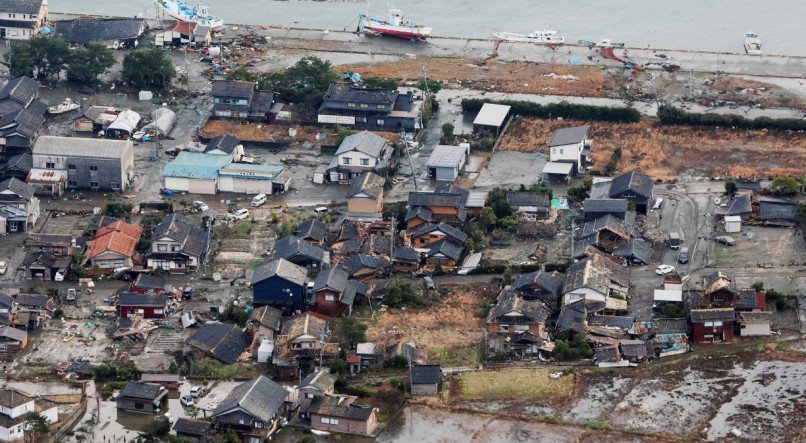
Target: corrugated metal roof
x=196 y=165
x=81 y=147
x=492 y=115
x=446 y=157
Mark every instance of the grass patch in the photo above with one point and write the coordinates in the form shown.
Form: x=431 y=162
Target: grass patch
x=254 y=264
x=455 y=356
x=242 y=229
x=508 y=384
x=211 y=368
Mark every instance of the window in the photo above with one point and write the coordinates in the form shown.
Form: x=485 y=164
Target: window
x=380 y=122
x=72 y=183
x=561 y=151
x=104 y=263
x=50 y=165
x=138 y=405
x=162 y=264
x=351 y=105
x=503 y=327
x=175 y=248
x=138 y=311
x=159 y=311
x=346 y=160
x=71 y=167
x=521 y=327
x=162 y=248
x=364 y=162
x=381 y=106
x=364 y=105
x=94 y=185
x=259 y=424
x=94 y=168
x=309 y=395
x=330 y=421
x=119 y=262
x=329 y=298
x=114 y=185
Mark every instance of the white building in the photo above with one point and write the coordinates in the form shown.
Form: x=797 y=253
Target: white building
x=733 y=223
x=358 y=153
x=446 y=162
x=91 y=163
x=14 y=405
x=20 y=19
x=568 y=145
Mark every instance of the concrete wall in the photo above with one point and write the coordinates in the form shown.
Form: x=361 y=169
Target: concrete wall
x=754 y=329
x=195 y=186
x=364 y=205
x=244 y=186
x=421 y=389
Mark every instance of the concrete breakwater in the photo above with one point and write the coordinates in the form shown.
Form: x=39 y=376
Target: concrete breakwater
x=773 y=65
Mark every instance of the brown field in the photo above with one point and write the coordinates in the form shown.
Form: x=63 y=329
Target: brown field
x=451 y=323
x=663 y=152
x=494 y=75
x=765 y=94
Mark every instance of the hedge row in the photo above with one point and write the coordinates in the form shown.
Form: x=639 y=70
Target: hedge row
x=669 y=115
x=562 y=109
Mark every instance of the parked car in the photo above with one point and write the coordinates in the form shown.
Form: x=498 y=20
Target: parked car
x=664 y=269
x=59 y=276
x=240 y=214
x=3 y=267
x=320 y=209
x=429 y=283
x=200 y=205
x=682 y=256
x=71 y=294
x=186 y=400
x=258 y=200
x=726 y=240
x=197 y=391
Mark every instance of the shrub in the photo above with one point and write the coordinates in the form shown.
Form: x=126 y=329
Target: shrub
x=671 y=310
x=771 y=296
x=562 y=109
x=400 y=294
x=575 y=349
x=669 y=115
x=353 y=330
x=397 y=362
x=784 y=186
x=730 y=188
x=557 y=266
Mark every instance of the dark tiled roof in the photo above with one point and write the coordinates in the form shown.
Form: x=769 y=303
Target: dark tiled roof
x=138 y=389
x=292 y=245
x=260 y=397
x=179 y=228
x=366 y=142
x=605 y=205
x=358 y=261
x=754 y=316
x=147 y=281
x=307 y=323
x=313 y=229
x=670 y=325
x=508 y=302
x=191 y=427
x=572 y=317
x=749 y=299
x=223 y=341
x=749 y=185
x=636 y=248
x=262 y=102
x=333 y=278
x=233 y=88
x=633 y=181
x=339 y=94
x=771 y=210
x=612 y=321
x=608 y=354
x=449 y=230
x=22 y=6
x=739 y=205
x=435 y=199
x=281 y=268
x=225 y=143
x=18 y=187
x=447 y=248
x=151 y=300
x=607 y=221
x=338 y=407
x=11 y=398
x=406 y=254
x=20 y=89
x=425 y=374
x=528 y=199
x=421 y=212
x=20 y=162
x=633 y=348
x=352 y=289
x=569 y=136
x=39 y=301
x=717 y=314
x=86 y=29
x=545 y=280
x=322 y=380
x=366 y=183
x=267 y=316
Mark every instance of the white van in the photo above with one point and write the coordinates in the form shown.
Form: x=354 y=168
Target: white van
x=258 y=200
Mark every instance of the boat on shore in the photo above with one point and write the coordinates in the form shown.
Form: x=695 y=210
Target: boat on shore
x=538 y=36
x=397 y=25
x=190 y=12
x=752 y=44
x=66 y=106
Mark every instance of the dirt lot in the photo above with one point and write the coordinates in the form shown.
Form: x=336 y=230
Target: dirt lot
x=510 y=384
x=450 y=331
x=758 y=244
x=664 y=152
x=260 y=132
x=587 y=81
x=742 y=90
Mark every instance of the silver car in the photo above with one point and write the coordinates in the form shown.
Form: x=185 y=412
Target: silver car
x=726 y=240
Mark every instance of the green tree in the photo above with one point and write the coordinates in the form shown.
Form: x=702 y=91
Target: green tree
x=784 y=186
x=433 y=86
x=148 y=69
x=575 y=349
x=86 y=63
x=21 y=60
x=41 y=57
x=241 y=73
x=800 y=215
x=183 y=79
x=497 y=201
x=730 y=188
x=447 y=131
x=36 y=425
x=506 y=279
x=307 y=80
x=487 y=220
x=671 y=310
x=400 y=293
x=353 y=330
x=380 y=82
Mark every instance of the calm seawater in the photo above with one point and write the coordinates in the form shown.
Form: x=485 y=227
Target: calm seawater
x=716 y=25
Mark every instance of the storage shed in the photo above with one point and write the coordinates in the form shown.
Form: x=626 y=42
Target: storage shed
x=163 y=120
x=194 y=172
x=248 y=178
x=491 y=118
x=733 y=223
x=124 y=125
x=446 y=162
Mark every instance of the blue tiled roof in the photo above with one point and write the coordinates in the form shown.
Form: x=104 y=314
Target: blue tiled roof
x=196 y=165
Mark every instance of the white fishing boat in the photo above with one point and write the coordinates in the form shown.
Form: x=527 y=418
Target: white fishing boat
x=752 y=44
x=66 y=106
x=192 y=12
x=397 y=25
x=539 y=36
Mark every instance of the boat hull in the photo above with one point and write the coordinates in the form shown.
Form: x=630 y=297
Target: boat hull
x=172 y=10
x=407 y=32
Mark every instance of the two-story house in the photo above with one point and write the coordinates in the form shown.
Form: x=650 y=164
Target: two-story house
x=317 y=384
x=14 y=408
x=113 y=246
x=516 y=326
x=254 y=409
x=148 y=306
x=280 y=284
x=435 y=207
x=365 y=197
x=359 y=153
x=539 y=285
x=177 y=245
x=222 y=341
x=19 y=208
x=300 y=252
x=568 y=146
x=241 y=100
x=21 y=19
x=426 y=236
x=607 y=233
x=334 y=292
x=85 y=163
x=370 y=108
x=305 y=333
x=635 y=187
x=21 y=116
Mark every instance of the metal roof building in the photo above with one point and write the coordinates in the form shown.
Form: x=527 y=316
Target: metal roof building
x=194 y=172
x=491 y=117
x=446 y=162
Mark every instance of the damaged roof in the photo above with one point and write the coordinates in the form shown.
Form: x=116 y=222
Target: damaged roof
x=633 y=181
x=714 y=314
x=88 y=29
x=546 y=281
x=365 y=142
x=367 y=183
x=312 y=229
x=637 y=249
x=223 y=341
x=259 y=397
x=445 y=228
x=511 y=304
x=291 y=245
x=595 y=272
x=572 y=317
x=338 y=406
x=435 y=199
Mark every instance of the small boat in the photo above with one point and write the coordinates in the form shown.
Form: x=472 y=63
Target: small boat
x=189 y=12
x=607 y=43
x=66 y=106
x=396 y=26
x=752 y=44
x=538 y=36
